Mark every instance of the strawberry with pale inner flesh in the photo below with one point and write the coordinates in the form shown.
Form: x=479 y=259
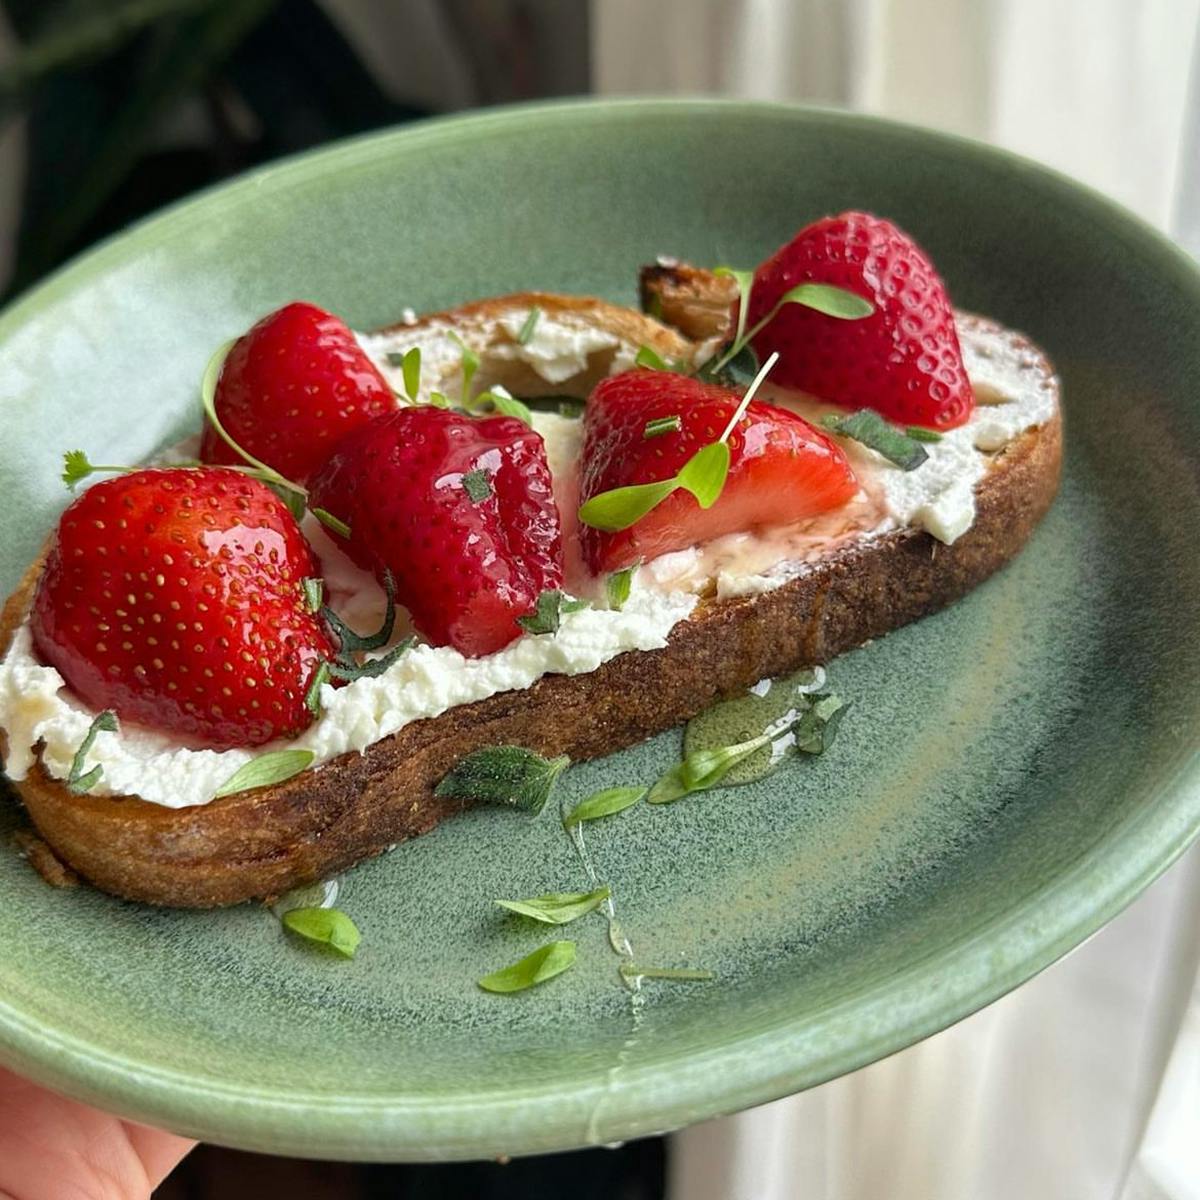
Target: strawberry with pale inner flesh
x=175 y=598
x=459 y=510
x=290 y=388
x=903 y=360
x=781 y=469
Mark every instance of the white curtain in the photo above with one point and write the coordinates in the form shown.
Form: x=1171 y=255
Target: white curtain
x=1085 y=1083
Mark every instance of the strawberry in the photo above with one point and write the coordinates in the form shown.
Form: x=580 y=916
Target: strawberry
x=461 y=512
x=781 y=468
x=290 y=388
x=903 y=361
x=174 y=597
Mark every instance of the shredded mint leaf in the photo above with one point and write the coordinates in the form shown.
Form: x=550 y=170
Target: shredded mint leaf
x=558 y=908
x=534 y=968
x=526 y=331
x=871 y=430
x=266 y=769
x=349 y=641
x=731 y=372
x=921 y=434
x=618 y=586
x=631 y=970
x=604 y=804
x=369 y=668
x=325 y=926
x=552 y=604
x=314 y=594
x=477 y=484
x=78 y=780
x=661 y=425
x=508 y=775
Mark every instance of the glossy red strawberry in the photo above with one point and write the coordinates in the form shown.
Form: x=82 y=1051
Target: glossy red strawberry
x=290 y=388
x=174 y=597
x=781 y=468
x=459 y=509
x=903 y=361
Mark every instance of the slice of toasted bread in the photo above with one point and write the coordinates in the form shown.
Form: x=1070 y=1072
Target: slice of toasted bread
x=263 y=842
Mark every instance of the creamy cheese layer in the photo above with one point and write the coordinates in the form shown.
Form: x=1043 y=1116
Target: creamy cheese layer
x=37 y=709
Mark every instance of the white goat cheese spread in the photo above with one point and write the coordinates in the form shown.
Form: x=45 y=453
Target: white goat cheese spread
x=37 y=709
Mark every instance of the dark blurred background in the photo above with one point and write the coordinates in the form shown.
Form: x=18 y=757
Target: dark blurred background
x=111 y=108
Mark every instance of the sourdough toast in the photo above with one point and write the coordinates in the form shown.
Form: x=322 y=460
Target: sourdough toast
x=262 y=842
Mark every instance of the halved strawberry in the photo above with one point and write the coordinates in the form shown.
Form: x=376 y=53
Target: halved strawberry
x=459 y=509
x=781 y=468
x=904 y=360
x=290 y=388
x=175 y=598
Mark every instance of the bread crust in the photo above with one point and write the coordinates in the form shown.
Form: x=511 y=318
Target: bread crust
x=263 y=842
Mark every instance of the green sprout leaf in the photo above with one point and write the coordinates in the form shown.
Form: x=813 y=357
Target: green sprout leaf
x=647 y=356
x=631 y=971
x=470 y=364
x=558 y=908
x=534 y=968
x=509 y=775
x=477 y=483
x=604 y=803
x=325 y=927
x=744 y=281
x=870 y=429
x=526 y=331
x=825 y=298
x=410 y=371
x=266 y=769
x=499 y=400
x=78 y=780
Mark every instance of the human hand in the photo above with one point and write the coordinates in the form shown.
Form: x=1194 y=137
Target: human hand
x=52 y=1147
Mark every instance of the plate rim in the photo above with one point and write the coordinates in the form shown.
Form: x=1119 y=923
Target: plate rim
x=529 y=1119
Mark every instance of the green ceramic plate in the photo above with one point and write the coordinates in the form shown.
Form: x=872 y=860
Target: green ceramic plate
x=1013 y=772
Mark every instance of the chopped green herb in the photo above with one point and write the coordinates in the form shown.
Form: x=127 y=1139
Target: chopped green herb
x=661 y=425
x=647 y=356
x=325 y=926
x=410 y=369
x=921 y=434
x=604 y=804
x=618 y=586
x=534 y=968
x=558 y=908
x=499 y=400
x=871 y=430
x=477 y=484
x=526 y=331
x=266 y=769
x=631 y=970
x=508 y=775
x=552 y=605
x=312 y=695
x=470 y=364
x=81 y=781
x=331 y=522
x=314 y=594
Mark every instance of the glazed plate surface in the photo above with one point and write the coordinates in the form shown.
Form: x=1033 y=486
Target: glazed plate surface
x=1013 y=772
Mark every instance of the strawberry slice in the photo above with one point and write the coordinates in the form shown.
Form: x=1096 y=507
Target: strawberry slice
x=459 y=509
x=781 y=468
x=904 y=360
x=175 y=598
x=290 y=388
